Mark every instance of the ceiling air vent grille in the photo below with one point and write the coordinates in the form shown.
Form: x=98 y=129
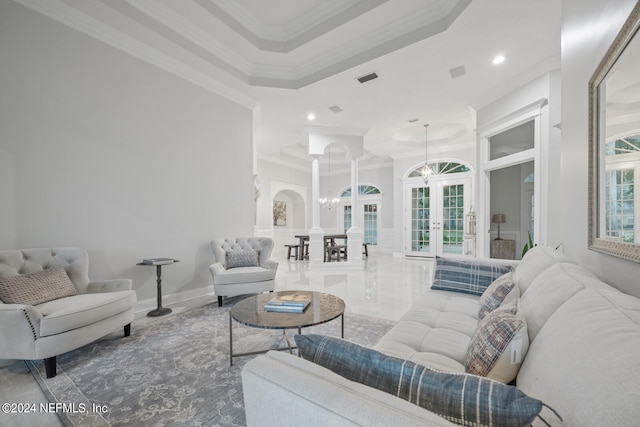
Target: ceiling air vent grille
x=457 y=72
x=335 y=109
x=367 y=77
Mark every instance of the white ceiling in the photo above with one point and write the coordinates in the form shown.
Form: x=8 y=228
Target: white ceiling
x=294 y=57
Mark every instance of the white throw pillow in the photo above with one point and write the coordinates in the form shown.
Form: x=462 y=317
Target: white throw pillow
x=36 y=288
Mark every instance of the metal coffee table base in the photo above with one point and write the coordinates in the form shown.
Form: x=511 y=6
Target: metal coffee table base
x=250 y=311
x=284 y=332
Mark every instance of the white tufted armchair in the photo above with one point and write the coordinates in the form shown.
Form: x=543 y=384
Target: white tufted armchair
x=242 y=266
x=53 y=327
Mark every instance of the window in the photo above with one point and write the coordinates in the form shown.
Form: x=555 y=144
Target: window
x=371 y=224
x=622 y=169
x=620 y=204
x=440 y=168
x=363 y=190
x=347 y=217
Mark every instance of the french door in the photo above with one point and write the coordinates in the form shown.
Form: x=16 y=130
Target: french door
x=435 y=216
x=368 y=220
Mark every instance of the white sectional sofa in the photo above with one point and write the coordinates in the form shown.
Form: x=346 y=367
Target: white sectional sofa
x=583 y=357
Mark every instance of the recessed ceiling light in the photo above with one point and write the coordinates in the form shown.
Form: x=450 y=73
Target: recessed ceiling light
x=311 y=116
x=498 y=59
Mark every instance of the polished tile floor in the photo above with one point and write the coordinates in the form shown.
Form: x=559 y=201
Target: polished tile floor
x=385 y=287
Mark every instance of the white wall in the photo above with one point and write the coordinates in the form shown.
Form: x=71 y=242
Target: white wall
x=104 y=151
x=588 y=28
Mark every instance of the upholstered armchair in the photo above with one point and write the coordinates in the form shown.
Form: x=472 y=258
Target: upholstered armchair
x=48 y=306
x=242 y=266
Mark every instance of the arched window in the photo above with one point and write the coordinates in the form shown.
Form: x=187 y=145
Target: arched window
x=363 y=190
x=440 y=168
x=629 y=144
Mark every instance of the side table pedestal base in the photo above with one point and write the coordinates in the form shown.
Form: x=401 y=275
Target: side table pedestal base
x=159 y=312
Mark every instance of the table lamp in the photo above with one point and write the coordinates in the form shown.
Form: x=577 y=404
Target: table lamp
x=498 y=219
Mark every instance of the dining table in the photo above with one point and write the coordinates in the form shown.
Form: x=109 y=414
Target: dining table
x=329 y=239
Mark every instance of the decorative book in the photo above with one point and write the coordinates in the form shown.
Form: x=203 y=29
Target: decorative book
x=289 y=303
x=158 y=261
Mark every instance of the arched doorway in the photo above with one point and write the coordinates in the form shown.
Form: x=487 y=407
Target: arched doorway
x=435 y=211
x=288 y=217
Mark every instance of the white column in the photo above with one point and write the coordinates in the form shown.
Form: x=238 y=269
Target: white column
x=355 y=234
x=316 y=234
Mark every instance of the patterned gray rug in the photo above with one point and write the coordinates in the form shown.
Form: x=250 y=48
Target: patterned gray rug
x=172 y=372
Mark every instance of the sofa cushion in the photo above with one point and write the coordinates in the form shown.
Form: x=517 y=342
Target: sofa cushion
x=500 y=343
x=36 y=288
x=244 y=275
x=436 y=331
x=245 y=258
x=551 y=289
x=74 y=312
x=503 y=290
x=471 y=277
x=535 y=261
x=585 y=363
x=459 y=398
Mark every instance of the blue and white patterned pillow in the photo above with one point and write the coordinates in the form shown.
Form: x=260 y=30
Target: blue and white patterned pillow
x=460 y=398
x=503 y=290
x=245 y=258
x=469 y=277
x=498 y=345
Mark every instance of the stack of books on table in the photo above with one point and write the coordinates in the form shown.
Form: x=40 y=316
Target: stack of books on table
x=158 y=261
x=291 y=303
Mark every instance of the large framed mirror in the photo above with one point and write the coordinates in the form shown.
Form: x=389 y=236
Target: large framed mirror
x=614 y=147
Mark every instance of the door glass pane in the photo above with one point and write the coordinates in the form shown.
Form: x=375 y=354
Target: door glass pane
x=453 y=218
x=420 y=201
x=371 y=224
x=347 y=217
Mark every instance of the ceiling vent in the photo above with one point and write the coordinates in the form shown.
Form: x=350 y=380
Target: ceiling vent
x=457 y=72
x=367 y=77
x=413 y=120
x=335 y=109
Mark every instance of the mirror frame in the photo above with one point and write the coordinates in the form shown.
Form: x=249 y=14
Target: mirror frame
x=622 y=250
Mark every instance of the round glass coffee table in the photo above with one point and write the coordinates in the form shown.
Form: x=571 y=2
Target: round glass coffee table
x=251 y=312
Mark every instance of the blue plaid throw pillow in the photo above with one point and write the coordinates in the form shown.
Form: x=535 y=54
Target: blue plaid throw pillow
x=460 y=398
x=469 y=277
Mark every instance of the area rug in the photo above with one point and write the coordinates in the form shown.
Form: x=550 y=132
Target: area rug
x=172 y=372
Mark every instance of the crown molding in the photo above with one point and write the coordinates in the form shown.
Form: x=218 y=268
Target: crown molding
x=181 y=26
x=158 y=18
x=326 y=10
x=73 y=18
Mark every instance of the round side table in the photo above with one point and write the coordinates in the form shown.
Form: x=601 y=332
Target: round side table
x=158 y=263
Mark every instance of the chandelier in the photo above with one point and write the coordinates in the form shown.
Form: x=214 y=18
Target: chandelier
x=329 y=202
x=426 y=171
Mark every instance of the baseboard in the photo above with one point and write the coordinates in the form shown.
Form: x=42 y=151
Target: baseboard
x=144 y=306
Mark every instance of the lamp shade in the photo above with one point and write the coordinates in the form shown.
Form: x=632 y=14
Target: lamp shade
x=498 y=219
